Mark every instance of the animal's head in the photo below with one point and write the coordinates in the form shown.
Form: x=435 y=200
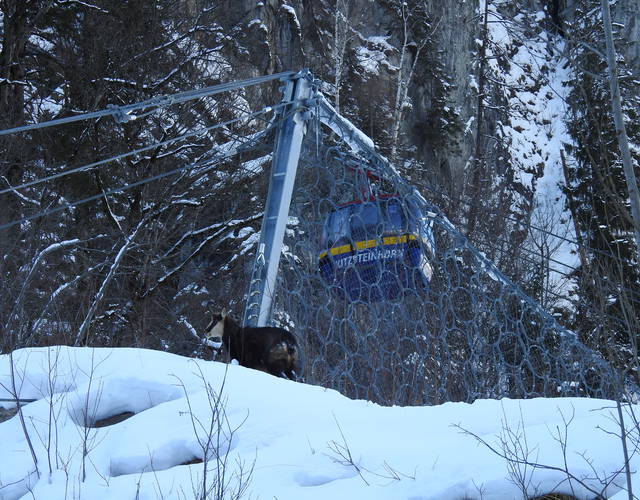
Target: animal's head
x=282 y=360
x=215 y=329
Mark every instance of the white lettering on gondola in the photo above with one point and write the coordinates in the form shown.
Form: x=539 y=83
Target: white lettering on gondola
x=361 y=257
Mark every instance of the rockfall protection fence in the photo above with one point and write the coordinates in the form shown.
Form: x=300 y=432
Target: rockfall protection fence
x=388 y=300
x=376 y=322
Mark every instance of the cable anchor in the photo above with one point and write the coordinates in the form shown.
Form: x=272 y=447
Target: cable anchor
x=119 y=115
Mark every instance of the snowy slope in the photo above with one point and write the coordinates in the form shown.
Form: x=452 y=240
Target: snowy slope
x=290 y=440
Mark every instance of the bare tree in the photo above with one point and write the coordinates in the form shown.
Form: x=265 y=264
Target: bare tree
x=416 y=33
x=20 y=19
x=621 y=132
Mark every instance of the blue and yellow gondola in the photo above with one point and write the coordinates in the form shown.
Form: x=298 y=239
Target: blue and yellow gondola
x=375 y=248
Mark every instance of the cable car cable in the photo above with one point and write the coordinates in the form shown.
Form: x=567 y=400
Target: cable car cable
x=135 y=151
x=123 y=113
x=213 y=159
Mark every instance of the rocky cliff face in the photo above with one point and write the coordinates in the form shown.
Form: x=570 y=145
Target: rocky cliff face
x=369 y=53
x=419 y=65
x=457 y=93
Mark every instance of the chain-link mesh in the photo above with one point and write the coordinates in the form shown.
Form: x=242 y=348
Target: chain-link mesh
x=405 y=311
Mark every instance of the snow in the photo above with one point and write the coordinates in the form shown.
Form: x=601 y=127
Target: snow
x=256 y=167
x=370 y=59
x=259 y=23
x=292 y=12
x=286 y=440
x=349 y=133
x=537 y=134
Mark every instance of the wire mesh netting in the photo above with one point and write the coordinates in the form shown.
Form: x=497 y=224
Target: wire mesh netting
x=393 y=305
x=388 y=300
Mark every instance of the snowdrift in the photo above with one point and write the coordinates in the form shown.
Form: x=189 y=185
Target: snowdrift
x=133 y=423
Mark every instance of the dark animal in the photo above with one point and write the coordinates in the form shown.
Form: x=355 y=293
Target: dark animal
x=269 y=349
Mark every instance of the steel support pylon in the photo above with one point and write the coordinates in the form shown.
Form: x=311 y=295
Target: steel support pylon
x=296 y=112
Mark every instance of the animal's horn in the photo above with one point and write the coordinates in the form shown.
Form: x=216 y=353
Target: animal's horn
x=210 y=325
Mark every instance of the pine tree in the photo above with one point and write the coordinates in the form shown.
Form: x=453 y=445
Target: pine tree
x=608 y=292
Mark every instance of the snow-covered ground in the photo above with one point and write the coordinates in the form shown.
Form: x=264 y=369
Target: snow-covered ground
x=287 y=440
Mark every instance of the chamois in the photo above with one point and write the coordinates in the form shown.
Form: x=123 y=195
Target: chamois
x=269 y=349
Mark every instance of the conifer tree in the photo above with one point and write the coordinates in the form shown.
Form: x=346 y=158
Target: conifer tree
x=608 y=293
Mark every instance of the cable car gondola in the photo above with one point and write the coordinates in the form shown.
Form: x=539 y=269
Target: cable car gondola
x=375 y=247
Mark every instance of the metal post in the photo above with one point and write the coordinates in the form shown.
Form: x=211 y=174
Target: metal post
x=297 y=94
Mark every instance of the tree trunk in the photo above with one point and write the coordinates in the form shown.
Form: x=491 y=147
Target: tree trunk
x=621 y=132
x=477 y=164
x=17 y=28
